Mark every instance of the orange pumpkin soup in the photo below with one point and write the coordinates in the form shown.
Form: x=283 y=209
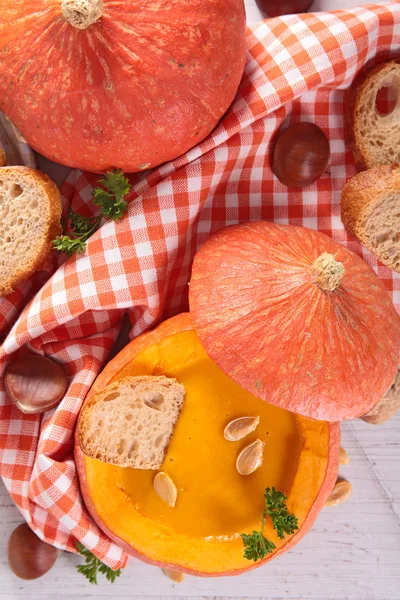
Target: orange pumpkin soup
x=215 y=504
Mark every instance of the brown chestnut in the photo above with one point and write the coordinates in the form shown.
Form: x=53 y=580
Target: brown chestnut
x=277 y=8
x=35 y=383
x=28 y=556
x=301 y=155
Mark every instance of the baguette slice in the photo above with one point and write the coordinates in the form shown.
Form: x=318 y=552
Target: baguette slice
x=374 y=137
x=130 y=423
x=30 y=212
x=388 y=406
x=370 y=207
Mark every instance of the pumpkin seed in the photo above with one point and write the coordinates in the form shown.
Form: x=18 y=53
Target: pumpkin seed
x=340 y=493
x=344 y=457
x=165 y=488
x=174 y=575
x=239 y=428
x=250 y=458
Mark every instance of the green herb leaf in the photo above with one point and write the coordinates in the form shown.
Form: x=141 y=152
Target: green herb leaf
x=275 y=507
x=83 y=228
x=109 y=573
x=93 y=566
x=256 y=545
x=63 y=243
x=110 y=197
x=81 y=225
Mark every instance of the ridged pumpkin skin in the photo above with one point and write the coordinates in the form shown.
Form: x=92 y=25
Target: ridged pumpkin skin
x=318 y=461
x=261 y=316
x=140 y=86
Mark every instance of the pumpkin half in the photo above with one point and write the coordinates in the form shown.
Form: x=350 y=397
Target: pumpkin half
x=296 y=319
x=98 y=84
x=201 y=534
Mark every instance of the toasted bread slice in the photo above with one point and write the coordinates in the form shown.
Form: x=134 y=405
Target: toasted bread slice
x=374 y=137
x=388 y=406
x=30 y=212
x=370 y=206
x=130 y=423
x=3 y=158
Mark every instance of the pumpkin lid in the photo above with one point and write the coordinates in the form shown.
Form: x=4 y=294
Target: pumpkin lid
x=296 y=319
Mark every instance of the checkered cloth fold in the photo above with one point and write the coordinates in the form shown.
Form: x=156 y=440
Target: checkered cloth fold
x=298 y=68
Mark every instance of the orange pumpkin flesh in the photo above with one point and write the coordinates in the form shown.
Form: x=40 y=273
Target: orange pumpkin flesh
x=215 y=504
x=139 y=86
x=257 y=302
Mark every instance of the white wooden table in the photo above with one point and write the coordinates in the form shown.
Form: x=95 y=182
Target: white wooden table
x=353 y=552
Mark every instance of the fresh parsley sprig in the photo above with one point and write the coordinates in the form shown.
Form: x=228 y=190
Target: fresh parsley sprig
x=82 y=225
x=110 y=198
x=256 y=546
x=83 y=228
x=93 y=566
x=275 y=507
x=68 y=245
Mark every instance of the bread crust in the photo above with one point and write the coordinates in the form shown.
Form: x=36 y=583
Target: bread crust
x=41 y=254
x=362 y=194
x=355 y=140
x=388 y=406
x=359 y=197
x=3 y=158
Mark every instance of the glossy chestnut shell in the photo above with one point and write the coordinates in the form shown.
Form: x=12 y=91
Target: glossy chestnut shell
x=277 y=8
x=301 y=155
x=28 y=556
x=35 y=383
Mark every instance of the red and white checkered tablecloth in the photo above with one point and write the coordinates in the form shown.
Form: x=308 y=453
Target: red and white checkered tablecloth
x=298 y=68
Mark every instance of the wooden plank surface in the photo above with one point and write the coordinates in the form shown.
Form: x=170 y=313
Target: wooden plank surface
x=353 y=552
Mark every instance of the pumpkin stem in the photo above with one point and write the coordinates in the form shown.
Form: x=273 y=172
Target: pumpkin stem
x=327 y=271
x=82 y=13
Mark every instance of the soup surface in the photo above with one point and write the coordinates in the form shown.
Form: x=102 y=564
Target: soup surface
x=215 y=504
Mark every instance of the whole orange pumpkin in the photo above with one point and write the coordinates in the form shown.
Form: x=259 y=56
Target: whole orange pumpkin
x=296 y=319
x=98 y=84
